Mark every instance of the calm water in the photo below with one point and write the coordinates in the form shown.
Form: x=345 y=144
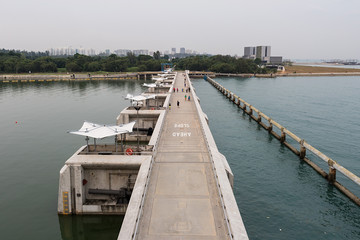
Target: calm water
x=278 y=196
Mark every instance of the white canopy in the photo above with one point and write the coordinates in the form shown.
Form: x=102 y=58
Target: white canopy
x=159 y=78
x=101 y=131
x=139 y=97
x=151 y=85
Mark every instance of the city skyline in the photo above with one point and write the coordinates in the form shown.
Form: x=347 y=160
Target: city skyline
x=295 y=29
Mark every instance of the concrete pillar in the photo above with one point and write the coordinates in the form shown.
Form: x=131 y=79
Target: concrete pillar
x=64 y=196
x=332 y=175
x=138 y=77
x=259 y=117
x=283 y=136
x=270 y=128
x=79 y=190
x=302 y=149
x=145 y=77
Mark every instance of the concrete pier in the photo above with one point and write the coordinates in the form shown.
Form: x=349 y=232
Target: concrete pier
x=176 y=185
x=189 y=193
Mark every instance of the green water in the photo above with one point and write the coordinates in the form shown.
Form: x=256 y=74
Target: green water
x=278 y=196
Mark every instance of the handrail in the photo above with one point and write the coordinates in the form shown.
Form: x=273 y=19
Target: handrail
x=149 y=173
x=218 y=184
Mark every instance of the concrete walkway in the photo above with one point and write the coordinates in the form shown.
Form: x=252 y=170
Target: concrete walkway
x=182 y=201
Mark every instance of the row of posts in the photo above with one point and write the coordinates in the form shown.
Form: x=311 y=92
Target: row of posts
x=249 y=109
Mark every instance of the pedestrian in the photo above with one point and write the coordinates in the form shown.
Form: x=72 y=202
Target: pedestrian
x=169 y=106
x=185 y=97
x=177 y=89
x=189 y=98
x=173 y=89
x=178 y=103
x=184 y=84
x=182 y=90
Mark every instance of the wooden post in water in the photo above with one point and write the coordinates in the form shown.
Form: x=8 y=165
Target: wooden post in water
x=283 y=136
x=302 y=150
x=270 y=128
x=332 y=172
x=259 y=117
x=250 y=110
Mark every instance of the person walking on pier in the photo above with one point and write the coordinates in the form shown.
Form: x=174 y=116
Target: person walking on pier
x=189 y=98
x=169 y=106
x=177 y=90
x=173 y=89
x=178 y=103
x=185 y=97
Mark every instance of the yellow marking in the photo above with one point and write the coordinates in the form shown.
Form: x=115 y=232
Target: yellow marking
x=66 y=202
x=5 y=81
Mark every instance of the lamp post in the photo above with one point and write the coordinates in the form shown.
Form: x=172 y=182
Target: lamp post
x=137 y=108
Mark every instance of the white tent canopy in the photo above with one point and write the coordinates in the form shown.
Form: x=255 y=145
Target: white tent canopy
x=151 y=85
x=140 y=97
x=99 y=131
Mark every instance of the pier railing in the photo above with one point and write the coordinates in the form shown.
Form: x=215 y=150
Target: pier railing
x=234 y=223
x=258 y=116
x=134 y=220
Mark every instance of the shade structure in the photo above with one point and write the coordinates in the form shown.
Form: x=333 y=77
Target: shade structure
x=151 y=85
x=99 y=131
x=140 y=97
x=159 y=78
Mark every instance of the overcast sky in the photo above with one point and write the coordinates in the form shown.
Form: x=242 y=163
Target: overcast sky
x=296 y=29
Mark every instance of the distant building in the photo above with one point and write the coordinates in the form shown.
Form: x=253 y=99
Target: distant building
x=261 y=52
x=122 y=52
x=250 y=52
x=107 y=52
x=276 y=60
x=264 y=53
x=182 y=50
x=141 y=52
x=173 y=51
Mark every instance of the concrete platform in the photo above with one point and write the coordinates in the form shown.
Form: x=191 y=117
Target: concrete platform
x=182 y=201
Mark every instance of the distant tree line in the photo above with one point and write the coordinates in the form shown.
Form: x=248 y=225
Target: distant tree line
x=36 y=62
x=221 y=64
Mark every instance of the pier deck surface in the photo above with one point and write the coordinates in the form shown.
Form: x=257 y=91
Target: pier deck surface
x=182 y=201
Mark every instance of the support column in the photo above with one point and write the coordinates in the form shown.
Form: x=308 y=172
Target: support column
x=283 y=136
x=250 y=110
x=302 y=149
x=332 y=172
x=259 y=117
x=270 y=128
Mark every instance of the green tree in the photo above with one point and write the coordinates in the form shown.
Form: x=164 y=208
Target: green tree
x=156 y=55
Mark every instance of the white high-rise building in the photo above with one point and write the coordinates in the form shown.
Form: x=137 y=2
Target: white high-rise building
x=261 y=52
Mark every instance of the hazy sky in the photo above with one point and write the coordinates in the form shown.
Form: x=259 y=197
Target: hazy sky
x=316 y=29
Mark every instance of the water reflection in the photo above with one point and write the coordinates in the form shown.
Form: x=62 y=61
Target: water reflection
x=90 y=227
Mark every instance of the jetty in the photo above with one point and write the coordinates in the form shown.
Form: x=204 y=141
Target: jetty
x=175 y=184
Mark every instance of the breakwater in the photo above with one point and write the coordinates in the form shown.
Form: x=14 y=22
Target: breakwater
x=281 y=133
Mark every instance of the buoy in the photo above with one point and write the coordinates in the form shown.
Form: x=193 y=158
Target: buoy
x=16 y=122
x=129 y=151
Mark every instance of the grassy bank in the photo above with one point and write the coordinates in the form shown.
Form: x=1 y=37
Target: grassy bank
x=309 y=69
